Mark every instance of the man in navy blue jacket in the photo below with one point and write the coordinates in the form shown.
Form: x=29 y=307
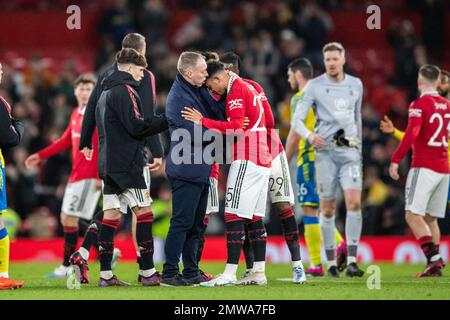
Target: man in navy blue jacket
x=188 y=173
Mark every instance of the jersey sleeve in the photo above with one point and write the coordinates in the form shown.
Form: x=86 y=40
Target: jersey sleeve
x=88 y=125
x=63 y=143
x=128 y=113
x=415 y=121
x=358 y=114
x=301 y=111
x=398 y=134
x=236 y=104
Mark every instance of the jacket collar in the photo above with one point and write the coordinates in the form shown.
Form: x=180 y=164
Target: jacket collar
x=184 y=82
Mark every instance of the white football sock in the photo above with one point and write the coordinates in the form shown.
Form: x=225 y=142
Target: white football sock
x=84 y=253
x=296 y=264
x=106 y=274
x=259 y=266
x=147 y=273
x=230 y=269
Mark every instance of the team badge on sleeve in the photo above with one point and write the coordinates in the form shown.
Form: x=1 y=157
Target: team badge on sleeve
x=415 y=113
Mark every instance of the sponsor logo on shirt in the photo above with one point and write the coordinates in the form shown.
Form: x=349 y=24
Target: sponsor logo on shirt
x=235 y=103
x=415 y=113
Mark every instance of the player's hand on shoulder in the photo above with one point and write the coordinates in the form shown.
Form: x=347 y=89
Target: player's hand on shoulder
x=155 y=165
x=87 y=153
x=192 y=115
x=393 y=171
x=32 y=161
x=386 y=125
x=316 y=141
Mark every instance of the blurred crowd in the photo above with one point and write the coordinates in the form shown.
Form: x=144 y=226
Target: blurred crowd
x=267 y=35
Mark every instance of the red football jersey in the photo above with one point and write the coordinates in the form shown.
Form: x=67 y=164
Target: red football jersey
x=273 y=140
x=243 y=101
x=81 y=168
x=427 y=133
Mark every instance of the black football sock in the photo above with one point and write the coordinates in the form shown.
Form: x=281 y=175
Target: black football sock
x=429 y=249
x=70 y=243
x=290 y=232
x=258 y=237
x=144 y=240
x=91 y=236
x=106 y=242
x=235 y=237
x=248 y=251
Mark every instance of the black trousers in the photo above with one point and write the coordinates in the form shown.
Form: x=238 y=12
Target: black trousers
x=189 y=205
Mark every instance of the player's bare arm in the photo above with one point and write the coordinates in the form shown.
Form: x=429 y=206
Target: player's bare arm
x=193 y=115
x=292 y=144
x=32 y=161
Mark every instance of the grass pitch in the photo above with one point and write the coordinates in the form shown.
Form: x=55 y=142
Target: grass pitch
x=397 y=282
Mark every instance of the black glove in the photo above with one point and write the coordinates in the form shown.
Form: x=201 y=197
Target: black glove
x=340 y=140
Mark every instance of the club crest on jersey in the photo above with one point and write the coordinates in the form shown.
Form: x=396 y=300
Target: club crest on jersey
x=235 y=103
x=415 y=113
x=261 y=96
x=342 y=104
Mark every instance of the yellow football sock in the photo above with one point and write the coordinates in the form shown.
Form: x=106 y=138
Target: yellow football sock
x=337 y=237
x=313 y=238
x=4 y=252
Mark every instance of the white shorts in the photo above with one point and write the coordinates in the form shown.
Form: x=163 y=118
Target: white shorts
x=280 y=187
x=247 y=187
x=213 y=197
x=81 y=199
x=426 y=192
x=130 y=197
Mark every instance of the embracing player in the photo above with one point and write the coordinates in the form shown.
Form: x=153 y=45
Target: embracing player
x=428 y=179
x=336 y=99
x=248 y=178
x=280 y=188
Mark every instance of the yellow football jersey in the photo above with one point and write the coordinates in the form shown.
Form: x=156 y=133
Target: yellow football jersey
x=305 y=149
x=2 y=161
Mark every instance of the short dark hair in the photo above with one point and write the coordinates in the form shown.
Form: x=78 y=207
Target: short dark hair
x=445 y=74
x=84 y=79
x=214 y=67
x=134 y=41
x=304 y=66
x=210 y=55
x=333 y=46
x=231 y=58
x=430 y=72
x=129 y=55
